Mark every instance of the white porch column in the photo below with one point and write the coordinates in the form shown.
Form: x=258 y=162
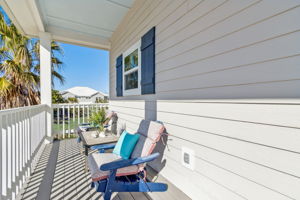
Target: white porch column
x=45 y=77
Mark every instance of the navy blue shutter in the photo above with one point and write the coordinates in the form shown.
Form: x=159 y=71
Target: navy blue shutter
x=148 y=62
x=119 y=72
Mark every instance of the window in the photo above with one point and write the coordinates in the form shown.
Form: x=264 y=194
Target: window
x=132 y=70
x=135 y=68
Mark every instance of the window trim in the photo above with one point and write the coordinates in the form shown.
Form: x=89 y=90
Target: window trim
x=136 y=91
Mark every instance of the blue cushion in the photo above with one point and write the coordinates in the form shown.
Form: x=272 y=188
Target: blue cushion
x=126 y=144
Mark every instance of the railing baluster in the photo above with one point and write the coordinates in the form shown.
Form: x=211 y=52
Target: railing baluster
x=30 y=137
x=69 y=121
x=63 y=121
x=25 y=144
x=4 y=156
x=10 y=162
x=1 y=125
x=28 y=141
x=20 y=147
x=17 y=147
x=1 y=174
x=88 y=113
x=83 y=120
x=34 y=128
x=73 y=114
x=13 y=135
x=9 y=155
x=58 y=126
x=23 y=147
x=78 y=114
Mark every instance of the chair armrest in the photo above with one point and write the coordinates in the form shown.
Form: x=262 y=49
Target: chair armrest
x=103 y=146
x=125 y=163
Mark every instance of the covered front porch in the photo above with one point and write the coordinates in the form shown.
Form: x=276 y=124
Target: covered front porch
x=222 y=76
x=33 y=168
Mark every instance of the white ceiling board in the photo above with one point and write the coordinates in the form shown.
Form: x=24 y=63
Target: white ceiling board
x=22 y=11
x=86 y=21
x=125 y=3
x=102 y=14
x=78 y=38
x=78 y=27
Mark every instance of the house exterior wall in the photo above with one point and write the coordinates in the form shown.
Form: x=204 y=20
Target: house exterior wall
x=91 y=99
x=227 y=87
x=94 y=97
x=67 y=95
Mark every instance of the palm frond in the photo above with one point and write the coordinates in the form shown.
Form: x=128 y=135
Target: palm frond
x=59 y=77
x=5 y=86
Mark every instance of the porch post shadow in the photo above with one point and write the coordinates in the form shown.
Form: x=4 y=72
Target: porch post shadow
x=151 y=114
x=151 y=110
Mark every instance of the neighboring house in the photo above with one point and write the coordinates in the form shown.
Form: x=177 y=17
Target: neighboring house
x=84 y=94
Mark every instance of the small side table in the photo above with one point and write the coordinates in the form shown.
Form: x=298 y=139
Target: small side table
x=88 y=141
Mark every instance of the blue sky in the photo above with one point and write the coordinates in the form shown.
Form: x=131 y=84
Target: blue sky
x=84 y=67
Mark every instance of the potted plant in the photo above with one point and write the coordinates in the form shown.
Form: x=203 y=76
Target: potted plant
x=98 y=119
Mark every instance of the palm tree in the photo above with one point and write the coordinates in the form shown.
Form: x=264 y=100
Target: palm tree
x=20 y=68
x=56 y=63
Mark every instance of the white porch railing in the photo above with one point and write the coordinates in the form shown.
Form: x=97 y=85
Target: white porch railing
x=22 y=133
x=67 y=117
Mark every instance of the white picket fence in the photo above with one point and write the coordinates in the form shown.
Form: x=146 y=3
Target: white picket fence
x=22 y=133
x=67 y=117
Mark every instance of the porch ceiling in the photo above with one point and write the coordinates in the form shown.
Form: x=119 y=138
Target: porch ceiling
x=89 y=23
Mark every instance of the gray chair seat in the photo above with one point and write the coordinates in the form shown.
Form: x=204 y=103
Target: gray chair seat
x=95 y=160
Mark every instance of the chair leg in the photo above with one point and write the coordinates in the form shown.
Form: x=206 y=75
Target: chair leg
x=109 y=186
x=107 y=195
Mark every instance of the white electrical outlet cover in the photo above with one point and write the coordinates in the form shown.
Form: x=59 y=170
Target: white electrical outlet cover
x=191 y=158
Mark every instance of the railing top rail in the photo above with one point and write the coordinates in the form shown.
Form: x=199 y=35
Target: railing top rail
x=78 y=104
x=19 y=109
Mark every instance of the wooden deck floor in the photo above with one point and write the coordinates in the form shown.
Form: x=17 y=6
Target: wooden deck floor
x=69 y=181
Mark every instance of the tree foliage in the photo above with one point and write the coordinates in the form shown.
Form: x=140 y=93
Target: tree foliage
x=98 y=118
x=99 y=100
x=20 y=67
x=57 y=97
x=72 y=100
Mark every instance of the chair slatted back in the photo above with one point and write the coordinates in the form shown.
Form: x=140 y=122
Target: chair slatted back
x=150 y=133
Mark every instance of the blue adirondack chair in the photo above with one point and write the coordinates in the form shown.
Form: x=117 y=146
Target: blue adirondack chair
x=110 y=173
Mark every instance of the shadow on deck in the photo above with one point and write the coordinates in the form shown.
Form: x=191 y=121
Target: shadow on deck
x=70 y=181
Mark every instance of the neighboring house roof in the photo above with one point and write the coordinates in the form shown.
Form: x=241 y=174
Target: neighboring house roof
x=82 y=91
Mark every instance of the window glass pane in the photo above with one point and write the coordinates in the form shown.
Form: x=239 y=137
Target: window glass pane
x=131 y=61
x=131 y=80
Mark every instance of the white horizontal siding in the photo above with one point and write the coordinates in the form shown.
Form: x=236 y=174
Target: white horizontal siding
x=247 y=51
x=248 y=155
x=225 y=23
